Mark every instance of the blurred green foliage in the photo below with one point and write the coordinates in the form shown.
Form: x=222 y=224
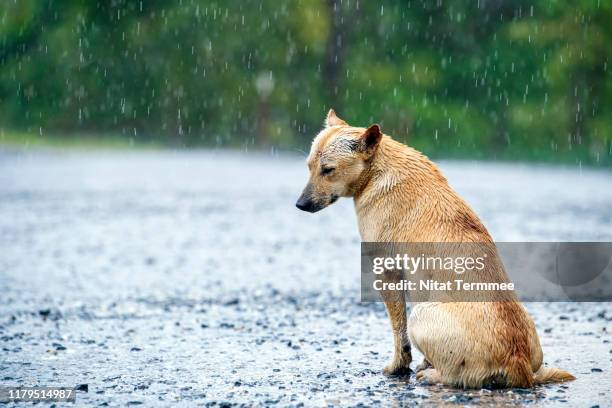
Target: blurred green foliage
x=482 y=78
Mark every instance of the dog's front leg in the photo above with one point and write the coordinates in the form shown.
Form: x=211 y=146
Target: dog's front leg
x=402 y=357
x=395 y=303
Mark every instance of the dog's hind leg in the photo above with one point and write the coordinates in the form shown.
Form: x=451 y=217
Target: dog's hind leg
x=436 y=333
x=430 y=331
x=465 y=351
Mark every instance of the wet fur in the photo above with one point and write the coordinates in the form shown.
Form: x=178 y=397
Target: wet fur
x=401 y=196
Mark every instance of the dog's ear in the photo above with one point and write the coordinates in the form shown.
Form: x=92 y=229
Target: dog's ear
x=370 y=139
x=333 y=120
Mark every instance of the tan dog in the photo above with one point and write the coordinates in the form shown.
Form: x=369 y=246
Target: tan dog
x=401 y=196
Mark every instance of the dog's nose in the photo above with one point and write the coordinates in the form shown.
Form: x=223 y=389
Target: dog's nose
x=304 y=204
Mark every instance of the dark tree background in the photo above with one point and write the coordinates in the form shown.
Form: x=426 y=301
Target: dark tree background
x=482 y=78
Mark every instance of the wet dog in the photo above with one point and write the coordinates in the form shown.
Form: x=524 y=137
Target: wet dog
x=401 y=196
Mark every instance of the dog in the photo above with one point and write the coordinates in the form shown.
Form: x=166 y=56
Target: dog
x=401 y=196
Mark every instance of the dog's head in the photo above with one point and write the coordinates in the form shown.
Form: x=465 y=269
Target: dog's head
x=338 y=159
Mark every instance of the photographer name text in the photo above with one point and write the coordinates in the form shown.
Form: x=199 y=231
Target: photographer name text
x=433 y=285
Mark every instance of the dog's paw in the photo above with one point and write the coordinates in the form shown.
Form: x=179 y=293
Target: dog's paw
x=429 y=375
x=394 y=369
x=423 y=366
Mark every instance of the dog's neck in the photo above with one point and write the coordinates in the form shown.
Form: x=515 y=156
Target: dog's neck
x=392 y=165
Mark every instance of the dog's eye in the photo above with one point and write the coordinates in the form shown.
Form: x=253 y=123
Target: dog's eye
x=327 y=170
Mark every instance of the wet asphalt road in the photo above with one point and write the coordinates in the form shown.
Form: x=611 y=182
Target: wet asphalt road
x=190 y=278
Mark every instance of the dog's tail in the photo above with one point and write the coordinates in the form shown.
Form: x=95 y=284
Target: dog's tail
x=547 y=375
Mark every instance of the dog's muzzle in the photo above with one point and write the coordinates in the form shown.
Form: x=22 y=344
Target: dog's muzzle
x=306 y=204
